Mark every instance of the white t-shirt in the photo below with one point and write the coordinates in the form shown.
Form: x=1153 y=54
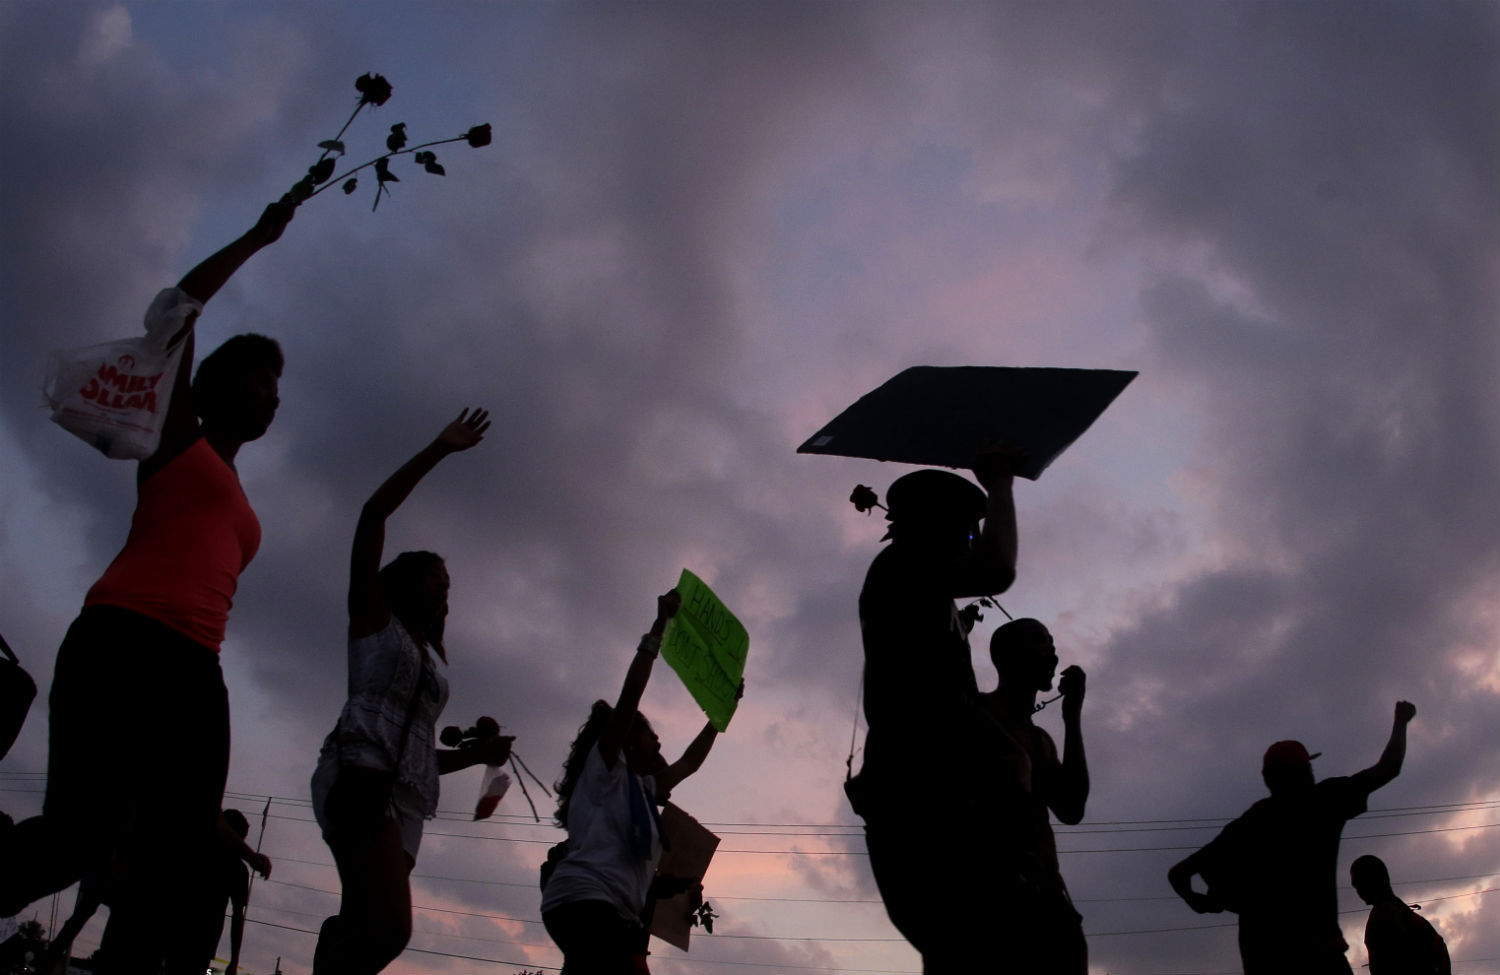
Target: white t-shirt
x=600 y=865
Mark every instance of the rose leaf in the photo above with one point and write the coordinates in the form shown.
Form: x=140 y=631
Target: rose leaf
x=397 y=139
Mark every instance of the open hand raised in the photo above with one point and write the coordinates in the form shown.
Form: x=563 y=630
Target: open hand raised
x=464 y=432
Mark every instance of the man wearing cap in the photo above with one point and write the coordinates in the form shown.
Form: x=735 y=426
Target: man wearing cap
x=921 y=789
x=1276 y=865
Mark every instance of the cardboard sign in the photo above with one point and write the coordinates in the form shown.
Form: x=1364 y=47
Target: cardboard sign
x=706 y=645
x=943 y=416
x=692 y=849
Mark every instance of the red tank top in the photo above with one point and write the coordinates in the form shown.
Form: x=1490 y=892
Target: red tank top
x=192 y=535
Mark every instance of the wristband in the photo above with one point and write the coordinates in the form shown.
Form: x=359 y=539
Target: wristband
x=650 y=643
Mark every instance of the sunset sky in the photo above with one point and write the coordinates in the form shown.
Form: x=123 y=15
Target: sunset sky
x=702 y=230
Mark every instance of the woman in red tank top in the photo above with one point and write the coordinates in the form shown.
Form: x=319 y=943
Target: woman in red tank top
x=141 y=660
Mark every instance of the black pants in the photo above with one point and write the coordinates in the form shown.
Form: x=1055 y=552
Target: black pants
x=966 y=912
x=594 y=938
x=138 y=753
x=191 y=949
x=1271 y=945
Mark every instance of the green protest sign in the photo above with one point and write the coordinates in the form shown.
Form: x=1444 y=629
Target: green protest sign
x=706 y=645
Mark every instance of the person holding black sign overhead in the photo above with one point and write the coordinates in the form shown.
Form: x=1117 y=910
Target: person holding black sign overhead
x=928 y=734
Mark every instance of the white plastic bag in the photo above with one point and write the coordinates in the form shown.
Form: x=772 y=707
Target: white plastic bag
x=115 y=395
x=492 y=789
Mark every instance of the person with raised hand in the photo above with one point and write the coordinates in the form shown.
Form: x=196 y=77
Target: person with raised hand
x=613 y=780
x=1276 y=866
x=142 y=658
x=377 y=775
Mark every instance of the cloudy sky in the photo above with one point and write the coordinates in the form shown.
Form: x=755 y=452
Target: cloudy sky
x=704 y=229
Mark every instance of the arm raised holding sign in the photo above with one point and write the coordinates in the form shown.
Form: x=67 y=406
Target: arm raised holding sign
x=613 y=780
x=989 y=565
x=625 y=724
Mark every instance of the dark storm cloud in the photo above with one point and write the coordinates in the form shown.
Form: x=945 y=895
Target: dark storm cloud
x=1350 y=432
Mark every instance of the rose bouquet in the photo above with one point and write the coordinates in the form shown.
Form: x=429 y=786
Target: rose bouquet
x=373 y=90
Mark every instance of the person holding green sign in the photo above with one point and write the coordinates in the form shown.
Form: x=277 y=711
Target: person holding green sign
x=613 y=780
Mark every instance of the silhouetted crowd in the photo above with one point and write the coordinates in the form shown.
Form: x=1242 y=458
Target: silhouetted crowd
x=142 y=661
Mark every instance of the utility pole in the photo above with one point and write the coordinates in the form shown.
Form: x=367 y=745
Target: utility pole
x=265 y=811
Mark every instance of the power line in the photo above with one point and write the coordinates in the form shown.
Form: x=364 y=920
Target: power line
x=328 y=864
x=1205 y=927
x=766 y=937
x=1123 y=849
x=1435 y=808
x=422 y=951
x=552 y=968
x=861 y=853
x=426 y=931
x=1405 y=884
x=420 y=907
x=856 y=829
x=552 y=946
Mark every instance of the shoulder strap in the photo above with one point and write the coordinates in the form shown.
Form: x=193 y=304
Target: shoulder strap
x=1434 y=948
x=5 y=647
x=411 y=709
x=416 y=692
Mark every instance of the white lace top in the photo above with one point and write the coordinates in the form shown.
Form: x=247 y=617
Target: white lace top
x=389 y=675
